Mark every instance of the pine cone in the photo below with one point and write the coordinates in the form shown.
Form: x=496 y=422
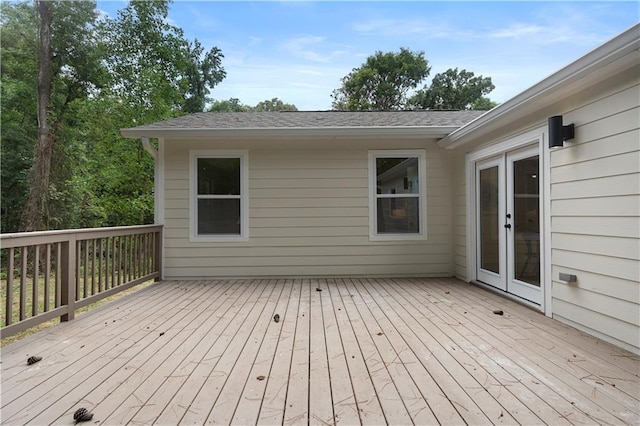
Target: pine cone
x=33 y=359
x=82 y=415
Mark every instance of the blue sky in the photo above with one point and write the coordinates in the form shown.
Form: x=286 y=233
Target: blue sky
x=299 y=50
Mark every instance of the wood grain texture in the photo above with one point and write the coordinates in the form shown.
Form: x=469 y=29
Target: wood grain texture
x=359 y=351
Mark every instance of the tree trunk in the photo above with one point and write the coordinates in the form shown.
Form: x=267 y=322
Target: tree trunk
x=36 y=213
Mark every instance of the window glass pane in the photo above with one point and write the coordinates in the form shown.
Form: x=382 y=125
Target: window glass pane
x=219 y=217
x=397 y=175
x=398 y=216
x=218 y=176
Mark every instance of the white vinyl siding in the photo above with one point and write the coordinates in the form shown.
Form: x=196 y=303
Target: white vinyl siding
x=595 y=219
x=308 y=214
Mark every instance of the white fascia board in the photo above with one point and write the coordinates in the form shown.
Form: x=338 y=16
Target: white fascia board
x=290 y=132
x=621 y=52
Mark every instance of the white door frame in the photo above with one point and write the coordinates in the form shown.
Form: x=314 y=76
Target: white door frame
x=533 y=137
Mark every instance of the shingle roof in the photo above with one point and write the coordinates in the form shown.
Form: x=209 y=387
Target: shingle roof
x=314 y=119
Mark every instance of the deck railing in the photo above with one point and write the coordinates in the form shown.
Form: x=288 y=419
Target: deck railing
x=50 y=274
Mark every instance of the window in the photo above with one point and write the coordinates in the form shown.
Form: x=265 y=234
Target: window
x=397 y=199
x=219 y=189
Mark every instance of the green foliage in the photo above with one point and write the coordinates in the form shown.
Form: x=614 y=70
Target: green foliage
x=229 y=105
x=234 y=105
x=453 y=89
x=17 y=109
x=202 y=72
x=274 y=104
x=382 y=82
x=107 y=74
x=385 y=79
x=76 y=71
x=153 y=67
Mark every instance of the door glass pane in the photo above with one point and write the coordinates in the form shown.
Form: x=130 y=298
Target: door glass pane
x=526 y=220
x=489 y=232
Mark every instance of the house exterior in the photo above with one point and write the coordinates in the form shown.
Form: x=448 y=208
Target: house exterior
x=476 y=195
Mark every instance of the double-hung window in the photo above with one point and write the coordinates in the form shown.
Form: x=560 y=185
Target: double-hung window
x=219 y=195
x=397 y=197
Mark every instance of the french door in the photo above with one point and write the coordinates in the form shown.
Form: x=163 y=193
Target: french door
x=508 y=223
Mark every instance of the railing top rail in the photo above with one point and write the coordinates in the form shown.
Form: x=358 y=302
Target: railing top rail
x=44 y=237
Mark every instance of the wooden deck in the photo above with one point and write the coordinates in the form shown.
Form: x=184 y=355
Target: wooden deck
x=350 y=351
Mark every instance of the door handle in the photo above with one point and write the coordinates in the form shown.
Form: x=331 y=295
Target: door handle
x=508 y=226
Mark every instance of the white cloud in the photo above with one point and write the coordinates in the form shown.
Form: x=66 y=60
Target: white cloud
x=517 y=31
x=403 y=27
x=313 y=48
x=308 y=87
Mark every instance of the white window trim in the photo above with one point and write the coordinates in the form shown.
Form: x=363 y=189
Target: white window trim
x=244 y=195
x=422 y=194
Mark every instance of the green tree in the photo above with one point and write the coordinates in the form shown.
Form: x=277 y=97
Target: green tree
x=154 y=68
x=18 y=32
x=234 y=105
x=229 y=105
x=382 y=82
x=105 y=74
x=483 y=104
x=274 y=104
x=50 y=62
x=453 y=89
x=203 y=71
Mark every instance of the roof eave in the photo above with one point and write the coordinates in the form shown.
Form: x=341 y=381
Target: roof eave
x=622 y=49
x=436 y=132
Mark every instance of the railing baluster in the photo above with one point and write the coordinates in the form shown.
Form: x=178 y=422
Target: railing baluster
x=122 y=254
x=59 y=267
x=107 y=255
x=138 y=257
x=147 y=252
x=157 y=255
x=85 y=243
x=130 y=245
x=100 y=256
x=9 y=312
x=114 y=260
x=47 y=278
x=109 y=267
x=135 y=255
x=36 y=276
x=93 y=266
x=23 y=283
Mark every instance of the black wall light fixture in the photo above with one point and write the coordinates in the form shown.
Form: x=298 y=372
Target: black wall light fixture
x=559 y=133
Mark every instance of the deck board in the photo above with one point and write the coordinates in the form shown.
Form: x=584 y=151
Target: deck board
x=345 y=351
